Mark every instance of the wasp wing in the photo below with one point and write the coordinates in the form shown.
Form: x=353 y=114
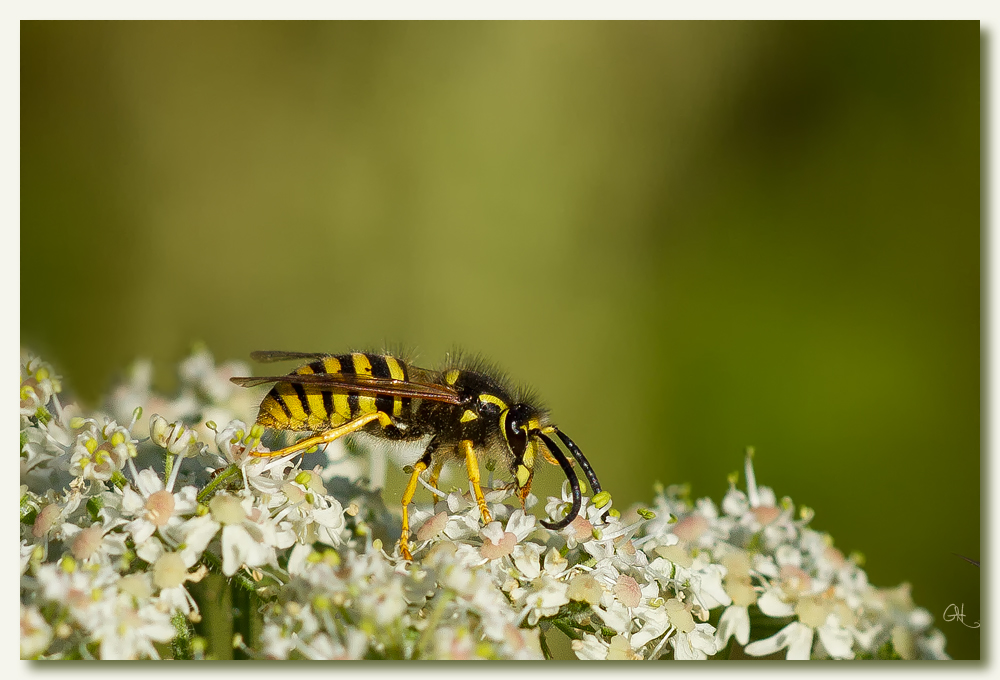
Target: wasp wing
x=361 y=383
x=270 y=356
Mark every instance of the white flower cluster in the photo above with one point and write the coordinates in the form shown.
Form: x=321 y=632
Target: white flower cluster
x=117 y=521
x=785 y=585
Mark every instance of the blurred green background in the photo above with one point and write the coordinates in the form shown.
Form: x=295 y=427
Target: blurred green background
x=689 y=237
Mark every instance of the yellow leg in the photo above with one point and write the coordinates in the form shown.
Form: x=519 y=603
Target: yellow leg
x=411 y=488
x=472 y=465
x=327 y=436
x=435 y=473
x=549 y=458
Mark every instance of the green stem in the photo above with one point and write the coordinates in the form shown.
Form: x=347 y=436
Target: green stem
x=219 y=479
x=181 y=643
x=433 y=621
x=567 y=630
x=118 y=479
x=546 y=652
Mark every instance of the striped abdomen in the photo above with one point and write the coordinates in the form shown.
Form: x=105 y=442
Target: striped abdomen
x=293 y=406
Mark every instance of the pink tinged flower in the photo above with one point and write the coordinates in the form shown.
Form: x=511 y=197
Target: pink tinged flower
x=434 y=525
x=45 y=520
x=159 y=508
x=795 y=581
x=497 y=543
x=766 y=514
x=86 y=543
x=627 y=591
x=96 y=543
x=154 y=507
x=690 y=528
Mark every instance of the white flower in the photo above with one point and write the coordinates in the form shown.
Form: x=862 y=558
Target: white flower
x=310 y=512
x=231 y=441
x=154 y=506
x=544 y=598
x=695 y=645
x=41 y=446
x=646 y=585
x=36 y=633
x=590 y=647
x=734 y=622
x=38 y=384
x=99 y=452
x=128 y=631
x=248 y=534
x=169 y=575
x=796 y=636
x=98 y=543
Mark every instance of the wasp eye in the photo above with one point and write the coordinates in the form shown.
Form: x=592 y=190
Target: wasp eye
x=513 y=421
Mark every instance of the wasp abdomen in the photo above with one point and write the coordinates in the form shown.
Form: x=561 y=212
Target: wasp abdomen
x=297 y=406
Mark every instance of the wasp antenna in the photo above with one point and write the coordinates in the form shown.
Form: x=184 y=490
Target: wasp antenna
x=574 y=484
x=578 y=454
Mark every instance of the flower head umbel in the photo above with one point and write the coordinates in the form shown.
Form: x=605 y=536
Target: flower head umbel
x=122 y=514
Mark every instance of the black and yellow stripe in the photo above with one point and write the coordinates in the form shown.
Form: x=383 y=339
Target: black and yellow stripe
x=294 y=406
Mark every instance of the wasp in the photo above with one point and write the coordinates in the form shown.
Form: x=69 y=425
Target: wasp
x=465 y=411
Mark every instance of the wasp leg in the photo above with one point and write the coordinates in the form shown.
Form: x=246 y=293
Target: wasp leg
x=522 y=492
x=327 y=436
x=435 y=473
x=472 y=465
x=411 y=488
x=549 y=458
